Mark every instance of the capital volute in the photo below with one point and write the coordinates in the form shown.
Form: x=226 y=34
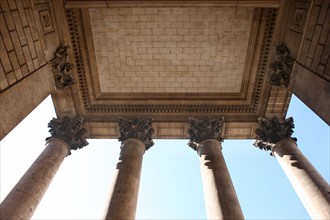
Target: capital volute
x=68 y=130
x=201 y=130
x=140 y=129
x=272 y=131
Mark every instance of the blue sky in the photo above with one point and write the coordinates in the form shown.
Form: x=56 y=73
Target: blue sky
x=171 y=186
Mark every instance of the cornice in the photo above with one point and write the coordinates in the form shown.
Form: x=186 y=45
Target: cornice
x=172 y=3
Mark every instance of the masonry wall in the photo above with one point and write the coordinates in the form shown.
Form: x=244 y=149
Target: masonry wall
x=311 y=74
x=27 y=43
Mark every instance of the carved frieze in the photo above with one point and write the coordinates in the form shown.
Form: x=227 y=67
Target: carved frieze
x=69 y=130
x=272 y=131
x=140 y=129
x=61 y=68
x=204 y=129
x=282 y=67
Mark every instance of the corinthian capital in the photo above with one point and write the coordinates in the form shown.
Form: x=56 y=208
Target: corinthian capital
x=272 y=131
x=140 y=129
x=204 y=129
x=69 y=130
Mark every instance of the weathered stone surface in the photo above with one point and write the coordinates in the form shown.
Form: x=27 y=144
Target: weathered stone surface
x=310 y=186
x=204 y=129
x=125 y=185
x=24 y=198
x=140 y=129
x=220 y=204
x=19 y=100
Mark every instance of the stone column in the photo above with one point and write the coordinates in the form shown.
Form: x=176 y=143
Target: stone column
x=312 y=189
x=24 y=198
x=135 y=136
x=220 y=197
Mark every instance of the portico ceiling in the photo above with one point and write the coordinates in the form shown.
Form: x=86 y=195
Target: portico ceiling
x=171 y=63
x=170 y=50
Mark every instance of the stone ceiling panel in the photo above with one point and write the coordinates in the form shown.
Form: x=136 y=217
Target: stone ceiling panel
x=171 y=63
x=171 y=50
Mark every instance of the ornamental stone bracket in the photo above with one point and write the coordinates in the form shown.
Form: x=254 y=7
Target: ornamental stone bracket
x=282 y=67
x=61 y=68
x=272 y=131
x=201 y=130
x=69 y=130
x=140 y=129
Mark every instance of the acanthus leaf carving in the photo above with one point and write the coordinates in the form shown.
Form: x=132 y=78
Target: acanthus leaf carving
x=204 y=129
x=272 y=131
x=61 y=68
x=140 y=129
x=69 y=130
x=282 y=67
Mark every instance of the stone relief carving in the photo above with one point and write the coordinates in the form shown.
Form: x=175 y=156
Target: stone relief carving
x=69 y=130
x=204 y=129
x=140 y=129
x=272 y=131
x=61 y=68
x=282 y=67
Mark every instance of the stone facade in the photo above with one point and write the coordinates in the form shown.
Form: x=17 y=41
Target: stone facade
x=171 y=61
x=214 y=61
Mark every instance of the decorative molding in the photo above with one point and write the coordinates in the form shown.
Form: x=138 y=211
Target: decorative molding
x=61 y=68
x=298 y=20
x=171 y=108
x=75 y=22
x=201 y=130
x=74 y=19
x=46 y=20
x=282 y=67
x=140 y=129
x=272 y=131
x=270 y=16
x=164 y=3
x=69 y=130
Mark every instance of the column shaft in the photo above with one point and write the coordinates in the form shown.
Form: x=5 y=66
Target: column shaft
x=24 y=198
x=310 y=186
x=220 y=197
x=124 y=195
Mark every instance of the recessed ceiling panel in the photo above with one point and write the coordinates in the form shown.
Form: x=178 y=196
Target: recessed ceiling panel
x=171 y=49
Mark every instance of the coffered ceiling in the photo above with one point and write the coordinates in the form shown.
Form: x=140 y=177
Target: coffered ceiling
x=170 y=60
